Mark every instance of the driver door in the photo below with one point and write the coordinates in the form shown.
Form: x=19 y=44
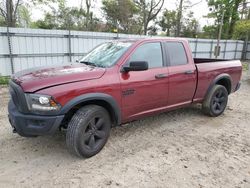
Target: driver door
x=145 y=92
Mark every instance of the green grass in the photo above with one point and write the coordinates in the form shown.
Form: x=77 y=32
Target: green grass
x=4 y=80
x=244 y=66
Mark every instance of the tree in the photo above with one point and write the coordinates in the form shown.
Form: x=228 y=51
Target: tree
x=190 y=26
x=8 y=10
x=148 y=11
x=242 y=28
x=234 y=16
x=24 y=17
x=168 y=22
x=2 y=21
x=182 y=7
x=231 y=14
x=89 y=14
x=209 y=32
x=179 y=17
x=65 y=17
x=121 y=14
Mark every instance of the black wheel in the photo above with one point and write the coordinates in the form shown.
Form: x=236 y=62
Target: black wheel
x=216 y=101
x=88 y=131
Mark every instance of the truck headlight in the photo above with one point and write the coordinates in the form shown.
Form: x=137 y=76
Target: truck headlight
x=37 y=102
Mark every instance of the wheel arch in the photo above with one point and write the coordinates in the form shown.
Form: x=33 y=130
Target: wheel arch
x=222 y=79
x=100 y=99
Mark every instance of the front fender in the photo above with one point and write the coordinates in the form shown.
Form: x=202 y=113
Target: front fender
x=92 y=97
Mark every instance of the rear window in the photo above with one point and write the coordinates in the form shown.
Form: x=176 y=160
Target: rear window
x=177 y=54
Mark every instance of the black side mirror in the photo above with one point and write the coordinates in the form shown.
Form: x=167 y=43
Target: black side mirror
x=135 y=66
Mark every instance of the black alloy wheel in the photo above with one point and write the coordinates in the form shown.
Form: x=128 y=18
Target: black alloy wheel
x=215 y=102
x=88 y=131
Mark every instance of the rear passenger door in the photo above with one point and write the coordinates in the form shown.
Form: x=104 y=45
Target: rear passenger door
x=182 y=74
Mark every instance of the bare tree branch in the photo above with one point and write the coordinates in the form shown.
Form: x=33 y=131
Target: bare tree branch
x=16 y=7
x=190 y=6
x=157 y=12
x=3 y=12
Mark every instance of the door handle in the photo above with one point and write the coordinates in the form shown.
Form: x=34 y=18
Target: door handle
x=189 y=72
x=160 y=76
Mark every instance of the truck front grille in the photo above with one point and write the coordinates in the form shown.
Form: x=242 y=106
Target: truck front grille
x=18 y=97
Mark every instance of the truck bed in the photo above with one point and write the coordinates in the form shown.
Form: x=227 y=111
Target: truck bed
x=209 y=70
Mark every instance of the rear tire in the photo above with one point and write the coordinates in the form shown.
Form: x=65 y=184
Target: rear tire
x=88 y=131
x=216 y=101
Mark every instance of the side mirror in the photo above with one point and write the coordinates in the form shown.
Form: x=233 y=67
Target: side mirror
x=77 y=61
x=135 y=66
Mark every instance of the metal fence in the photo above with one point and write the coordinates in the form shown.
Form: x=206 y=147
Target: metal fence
x=247 y=51
x=22 y=48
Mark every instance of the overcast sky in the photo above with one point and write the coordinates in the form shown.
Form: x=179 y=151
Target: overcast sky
x=200 y=10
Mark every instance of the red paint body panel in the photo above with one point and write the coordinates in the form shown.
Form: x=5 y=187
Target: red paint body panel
x=34 y=79
x=207 y=72
x=149 y=96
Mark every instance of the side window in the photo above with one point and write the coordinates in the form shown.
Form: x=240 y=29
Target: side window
x=177 y=54
x=149 y=52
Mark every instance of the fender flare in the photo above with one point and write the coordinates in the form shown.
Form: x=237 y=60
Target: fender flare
x=91 y=97
x=218 y=78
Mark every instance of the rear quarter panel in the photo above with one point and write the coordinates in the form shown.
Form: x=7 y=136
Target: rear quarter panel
x=207 y=72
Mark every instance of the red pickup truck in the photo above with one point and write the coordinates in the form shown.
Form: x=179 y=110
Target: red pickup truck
x=115 y=83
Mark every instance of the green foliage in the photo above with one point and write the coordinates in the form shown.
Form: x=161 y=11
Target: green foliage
x=24 y=16
x=245 y=66
x=209 y=32
x=148 y=12
x=121 y=14
x=4 y=80
x=231 y=15
x=168 y=22
x=2 y=21
x=74 y=18
x=190 y=26
x=135 y=17
x=242 y=29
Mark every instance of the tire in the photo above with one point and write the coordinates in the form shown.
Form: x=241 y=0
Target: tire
x=216 y=101
x=88 y=131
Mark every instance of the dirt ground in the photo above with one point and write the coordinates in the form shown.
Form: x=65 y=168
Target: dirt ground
x=182 y=148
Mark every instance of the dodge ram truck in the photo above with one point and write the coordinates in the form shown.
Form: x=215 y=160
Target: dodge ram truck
x=117 y=82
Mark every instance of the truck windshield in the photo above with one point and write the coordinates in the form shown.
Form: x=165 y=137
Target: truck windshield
x=106 y=54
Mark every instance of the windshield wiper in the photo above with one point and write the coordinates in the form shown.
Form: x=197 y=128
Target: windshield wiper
x=88 y=63
x=91 y=64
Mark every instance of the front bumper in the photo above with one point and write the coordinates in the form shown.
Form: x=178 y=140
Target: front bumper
x=32 y=125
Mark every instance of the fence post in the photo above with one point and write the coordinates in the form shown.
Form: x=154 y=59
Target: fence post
x=245 y=47
x=225 y=50
x=70 y=52
x=10 y=51
x=236 y=50
x=195 y=48
x=211 y=48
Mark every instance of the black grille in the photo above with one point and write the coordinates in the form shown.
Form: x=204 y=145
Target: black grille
x=18 y=97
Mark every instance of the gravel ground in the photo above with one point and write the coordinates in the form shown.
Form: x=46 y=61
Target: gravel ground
x=182 y=148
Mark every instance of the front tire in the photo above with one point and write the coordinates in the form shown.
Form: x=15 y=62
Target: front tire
x=88 y=131
x=216 y=101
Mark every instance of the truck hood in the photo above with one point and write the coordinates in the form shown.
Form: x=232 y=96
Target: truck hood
x=35 y=79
